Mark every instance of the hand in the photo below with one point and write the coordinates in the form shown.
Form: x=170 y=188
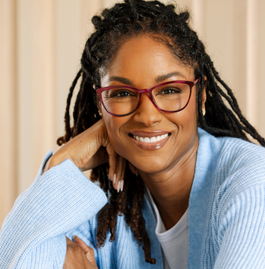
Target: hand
x=90 y=149
x=79 y=255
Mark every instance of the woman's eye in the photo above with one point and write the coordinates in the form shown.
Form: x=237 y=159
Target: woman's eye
x=170 y=91
x=121 y=93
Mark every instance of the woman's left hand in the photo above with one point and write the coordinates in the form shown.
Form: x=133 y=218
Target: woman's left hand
x=75 y=252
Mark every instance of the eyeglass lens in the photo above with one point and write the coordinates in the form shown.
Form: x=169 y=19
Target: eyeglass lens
x=169 y=97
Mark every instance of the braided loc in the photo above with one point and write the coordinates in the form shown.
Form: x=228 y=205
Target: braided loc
x=114 y=27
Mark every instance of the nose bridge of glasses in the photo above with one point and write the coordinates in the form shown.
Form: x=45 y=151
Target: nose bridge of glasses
x=144 y=90
x=148 y=96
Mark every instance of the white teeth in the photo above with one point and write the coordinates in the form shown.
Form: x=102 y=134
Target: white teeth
x=153 y=139
x=150 y=139
x=146 y=140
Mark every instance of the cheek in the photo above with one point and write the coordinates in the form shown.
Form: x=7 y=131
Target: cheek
x=187 y=118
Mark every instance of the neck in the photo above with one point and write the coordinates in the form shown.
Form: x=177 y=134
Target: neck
x=171 y=189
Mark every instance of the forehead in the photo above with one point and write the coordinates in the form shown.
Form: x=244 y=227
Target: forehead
x=145 y=57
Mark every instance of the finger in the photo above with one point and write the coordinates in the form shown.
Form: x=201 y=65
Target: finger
x=81 y=243
x=120 y=173
x=89 y=252
x=123 y=167
x=91 y=257
x=112 y=163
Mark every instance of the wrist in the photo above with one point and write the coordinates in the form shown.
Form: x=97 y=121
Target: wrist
x=53 y=161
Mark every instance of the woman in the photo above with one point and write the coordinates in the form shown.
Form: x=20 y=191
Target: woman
x=180 y=186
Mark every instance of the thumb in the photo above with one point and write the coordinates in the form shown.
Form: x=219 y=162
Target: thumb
x=91 y=257
x=88 y=250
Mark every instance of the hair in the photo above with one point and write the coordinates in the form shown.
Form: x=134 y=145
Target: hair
x=112 y=28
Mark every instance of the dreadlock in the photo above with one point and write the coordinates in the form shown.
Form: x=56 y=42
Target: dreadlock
x=112 y=28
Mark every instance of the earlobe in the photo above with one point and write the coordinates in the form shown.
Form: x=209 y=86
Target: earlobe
x=99 y=112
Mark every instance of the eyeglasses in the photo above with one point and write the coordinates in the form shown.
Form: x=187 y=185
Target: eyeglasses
x=172 y=96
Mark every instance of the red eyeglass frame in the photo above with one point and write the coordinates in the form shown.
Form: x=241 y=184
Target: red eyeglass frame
x=190 y=83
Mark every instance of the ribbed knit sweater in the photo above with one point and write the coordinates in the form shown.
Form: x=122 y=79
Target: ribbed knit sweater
x=226 y=215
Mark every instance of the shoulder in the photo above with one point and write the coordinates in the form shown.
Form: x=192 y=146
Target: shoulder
x=229 y=165
x=228 y=190
x=241 y=163
x=232 y=155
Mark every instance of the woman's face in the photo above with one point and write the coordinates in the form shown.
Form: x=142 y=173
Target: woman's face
x=140 y=63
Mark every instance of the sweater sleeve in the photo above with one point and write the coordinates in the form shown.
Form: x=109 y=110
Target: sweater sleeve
x=59 y=201
x=241 y=231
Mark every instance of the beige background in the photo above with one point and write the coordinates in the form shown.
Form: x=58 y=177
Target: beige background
x=40 y=48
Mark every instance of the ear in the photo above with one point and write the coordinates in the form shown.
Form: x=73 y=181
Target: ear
x=204 y=96
x=99 y=109
x=98 y=102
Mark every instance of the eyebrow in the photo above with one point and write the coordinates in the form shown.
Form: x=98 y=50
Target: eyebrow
x=157 y=79
x=173 y=74
x=120 y=79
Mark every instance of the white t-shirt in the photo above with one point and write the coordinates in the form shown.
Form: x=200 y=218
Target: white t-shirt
x=174 y=242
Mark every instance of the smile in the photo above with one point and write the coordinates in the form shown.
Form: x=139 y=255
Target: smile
x=150 y=139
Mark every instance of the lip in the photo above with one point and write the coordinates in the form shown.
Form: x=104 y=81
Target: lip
x=149 y=146
x=149 y=134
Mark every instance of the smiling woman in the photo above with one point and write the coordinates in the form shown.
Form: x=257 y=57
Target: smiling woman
x=145 y=119
x=169 y=147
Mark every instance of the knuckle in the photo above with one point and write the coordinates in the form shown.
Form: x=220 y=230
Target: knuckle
x=80 y=162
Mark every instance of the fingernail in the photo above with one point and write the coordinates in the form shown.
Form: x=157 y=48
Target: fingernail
x=122 y=184
x=74 y=237
x=118 y=188
x=114 y=179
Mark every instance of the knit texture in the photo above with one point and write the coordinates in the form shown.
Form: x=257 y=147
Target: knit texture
x=226 y=215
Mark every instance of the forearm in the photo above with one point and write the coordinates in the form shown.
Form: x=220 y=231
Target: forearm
x=58 y=201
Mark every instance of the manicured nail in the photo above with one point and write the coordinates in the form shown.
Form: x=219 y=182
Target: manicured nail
x=118 y=188
x=74 y=237
x=122 y=184
x=114 y=179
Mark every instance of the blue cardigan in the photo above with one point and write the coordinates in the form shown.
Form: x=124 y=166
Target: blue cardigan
x=226 y=215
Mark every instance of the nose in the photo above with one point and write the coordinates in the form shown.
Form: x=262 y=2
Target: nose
x=147 y=113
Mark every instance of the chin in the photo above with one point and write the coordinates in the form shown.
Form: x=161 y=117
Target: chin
x=150 y=167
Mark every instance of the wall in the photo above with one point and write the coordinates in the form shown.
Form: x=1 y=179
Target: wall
x=41 y=44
